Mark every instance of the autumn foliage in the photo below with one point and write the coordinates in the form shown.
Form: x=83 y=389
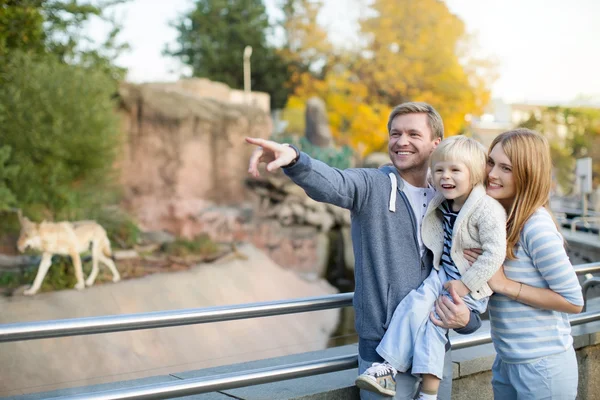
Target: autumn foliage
x=414 y=50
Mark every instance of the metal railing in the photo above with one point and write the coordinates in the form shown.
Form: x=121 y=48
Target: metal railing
x=162 y=319
x=586 y=222
x=127 y=322
x=234 y=380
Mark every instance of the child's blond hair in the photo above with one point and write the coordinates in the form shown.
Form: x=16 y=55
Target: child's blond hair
x=465 y=150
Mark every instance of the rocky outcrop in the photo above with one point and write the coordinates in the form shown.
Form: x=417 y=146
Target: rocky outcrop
x=306 y=231
x=185 y=165
x=184 y=150
x=317 y=124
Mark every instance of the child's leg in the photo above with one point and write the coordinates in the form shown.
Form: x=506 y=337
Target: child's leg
x=408 y=320
x=405 y=385
x=430 y=354
x=430 y=385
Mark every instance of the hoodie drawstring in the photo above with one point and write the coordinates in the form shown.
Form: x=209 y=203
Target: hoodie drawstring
x=392 y=207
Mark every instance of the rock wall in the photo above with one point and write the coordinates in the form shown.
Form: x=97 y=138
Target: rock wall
x=184 y=152
x=184 y=170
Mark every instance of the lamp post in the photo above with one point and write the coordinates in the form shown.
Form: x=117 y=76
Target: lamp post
x=247 y=54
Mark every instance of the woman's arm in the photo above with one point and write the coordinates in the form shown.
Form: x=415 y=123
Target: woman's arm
x=543 y=298
x=544 y=246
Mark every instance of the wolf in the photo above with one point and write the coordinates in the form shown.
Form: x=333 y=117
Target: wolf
x=66 y=238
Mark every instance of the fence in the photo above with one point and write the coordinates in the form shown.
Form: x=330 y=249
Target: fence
x=161 y=319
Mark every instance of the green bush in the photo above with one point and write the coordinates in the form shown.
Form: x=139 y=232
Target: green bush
x=61 y=275
x=60 y=122
x=122 y=230
x=7 y=173
x=200 y=245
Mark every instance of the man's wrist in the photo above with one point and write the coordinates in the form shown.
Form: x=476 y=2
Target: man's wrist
x=295 y=160
x=472 y=325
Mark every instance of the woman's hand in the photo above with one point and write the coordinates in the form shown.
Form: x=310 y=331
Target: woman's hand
x=471 y=255
x=461 y=289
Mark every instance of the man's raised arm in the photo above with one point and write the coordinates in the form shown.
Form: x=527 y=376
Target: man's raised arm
x=321 y=182
x=275 y=155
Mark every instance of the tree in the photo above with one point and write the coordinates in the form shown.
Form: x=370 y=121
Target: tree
x=7 y=174
x=306 y=45
x=60 y=124
x=573 y=132
x=56 y=26
x=211 y=40
x=353 y=120
x=417 y=50
x=21 y=26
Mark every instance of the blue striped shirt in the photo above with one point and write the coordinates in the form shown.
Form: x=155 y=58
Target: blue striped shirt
x=448 y=220
x=523 y=333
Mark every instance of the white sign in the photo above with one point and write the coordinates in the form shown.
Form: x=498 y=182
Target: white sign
x=584 y=174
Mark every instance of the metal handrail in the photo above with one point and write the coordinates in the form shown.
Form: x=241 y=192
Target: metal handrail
x=586 y=222
x=161 y=319
x=589 y=268
x=233 y=380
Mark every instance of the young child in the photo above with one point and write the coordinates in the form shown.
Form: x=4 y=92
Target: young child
x=460 y=216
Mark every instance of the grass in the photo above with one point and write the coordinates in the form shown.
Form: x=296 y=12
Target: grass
x=200 y=245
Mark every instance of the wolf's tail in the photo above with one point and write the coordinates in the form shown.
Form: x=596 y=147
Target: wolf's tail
x=106 y=246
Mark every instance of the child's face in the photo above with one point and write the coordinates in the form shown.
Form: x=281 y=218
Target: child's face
x=453 y=180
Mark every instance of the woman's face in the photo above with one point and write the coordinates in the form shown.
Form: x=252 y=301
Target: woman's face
x=500 y=183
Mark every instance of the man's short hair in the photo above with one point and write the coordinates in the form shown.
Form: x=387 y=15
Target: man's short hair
x=434 y=120
x=465 y=150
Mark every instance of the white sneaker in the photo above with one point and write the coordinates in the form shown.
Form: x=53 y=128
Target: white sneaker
x=379 y=378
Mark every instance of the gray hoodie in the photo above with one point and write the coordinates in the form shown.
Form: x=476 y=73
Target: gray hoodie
x=388 y=264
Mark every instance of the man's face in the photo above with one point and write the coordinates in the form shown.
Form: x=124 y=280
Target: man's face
x=411 y=142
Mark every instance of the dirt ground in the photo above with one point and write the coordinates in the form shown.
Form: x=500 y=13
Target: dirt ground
x=129 y=268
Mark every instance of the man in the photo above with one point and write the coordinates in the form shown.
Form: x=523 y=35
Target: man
x=387 y=206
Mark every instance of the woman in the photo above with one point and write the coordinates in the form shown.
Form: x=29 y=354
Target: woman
x=537 y=287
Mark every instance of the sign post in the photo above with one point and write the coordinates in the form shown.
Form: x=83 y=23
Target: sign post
x=583 y=171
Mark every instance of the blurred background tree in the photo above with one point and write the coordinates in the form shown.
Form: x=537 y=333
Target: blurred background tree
x=211 y=40
x=57 y=90
x=416 y=50
x=306 y=46
x=57 y=27
x=573 y=132
x=7 y=174
x=21 y=26
x=60 y=122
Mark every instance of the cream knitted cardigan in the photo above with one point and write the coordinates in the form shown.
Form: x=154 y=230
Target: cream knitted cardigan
x=480 y=224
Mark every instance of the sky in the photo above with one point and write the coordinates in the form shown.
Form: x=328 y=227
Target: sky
x=547 y=50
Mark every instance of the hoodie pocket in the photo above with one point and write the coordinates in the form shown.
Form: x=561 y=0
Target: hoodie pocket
x=389 y=310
